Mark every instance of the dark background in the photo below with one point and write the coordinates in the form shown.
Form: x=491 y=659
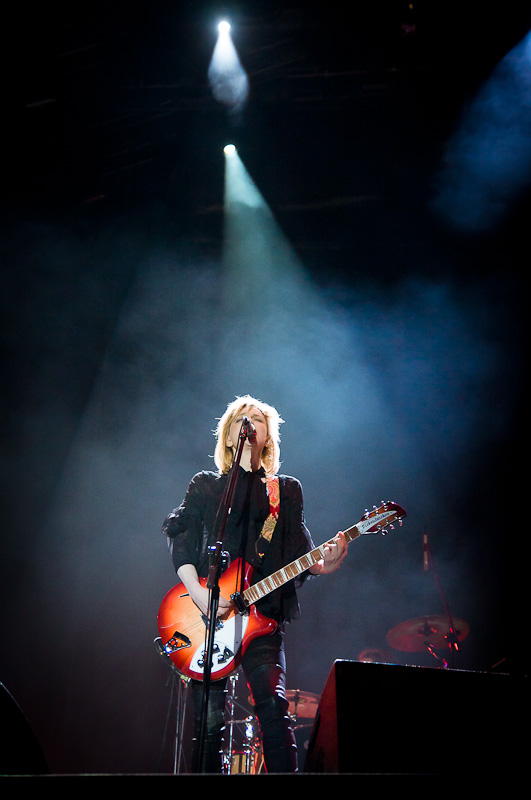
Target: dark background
x=391 y=144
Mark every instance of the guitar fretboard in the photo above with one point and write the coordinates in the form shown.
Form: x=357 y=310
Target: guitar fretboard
x=254 y=593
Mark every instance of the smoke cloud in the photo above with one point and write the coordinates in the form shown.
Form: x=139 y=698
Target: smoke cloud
x=386 y=396
x=488 y=160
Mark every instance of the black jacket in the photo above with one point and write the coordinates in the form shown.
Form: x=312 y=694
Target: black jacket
x=192 y=528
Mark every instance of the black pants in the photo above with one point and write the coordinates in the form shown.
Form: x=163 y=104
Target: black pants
x=264 y=666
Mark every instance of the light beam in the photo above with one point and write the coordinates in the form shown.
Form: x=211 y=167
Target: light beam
x=226 y=75
x=488 y=160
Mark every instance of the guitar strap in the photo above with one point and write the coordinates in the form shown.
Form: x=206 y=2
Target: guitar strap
x=273 y=491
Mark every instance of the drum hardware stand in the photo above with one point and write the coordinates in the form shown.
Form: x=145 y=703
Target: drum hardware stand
x=431 y=632
x=442 y=661
x=249 y=749
x=181 y=705
x=452 y=636
x=231 y=699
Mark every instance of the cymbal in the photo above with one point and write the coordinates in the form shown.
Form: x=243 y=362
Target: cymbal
x=302 y=704
x=433 y=630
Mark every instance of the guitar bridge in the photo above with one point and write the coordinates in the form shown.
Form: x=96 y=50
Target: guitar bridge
x=177 y=642
x=217 y=626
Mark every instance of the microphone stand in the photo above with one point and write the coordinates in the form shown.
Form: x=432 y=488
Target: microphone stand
x=452 y=637
x=217 y=561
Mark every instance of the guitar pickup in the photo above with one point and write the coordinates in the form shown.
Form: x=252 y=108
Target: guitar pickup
x=177 y=642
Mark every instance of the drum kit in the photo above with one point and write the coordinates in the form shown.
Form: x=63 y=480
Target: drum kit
x=429 y=634
x=243 y=753
x=432 y=634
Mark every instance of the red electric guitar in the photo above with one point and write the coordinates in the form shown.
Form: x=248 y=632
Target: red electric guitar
x=182 y=626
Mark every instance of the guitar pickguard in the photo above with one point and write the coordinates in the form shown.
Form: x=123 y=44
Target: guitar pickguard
x=228 y=639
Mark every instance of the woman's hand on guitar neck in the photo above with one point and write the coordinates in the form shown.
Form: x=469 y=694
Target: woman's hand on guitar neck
x=335 y=552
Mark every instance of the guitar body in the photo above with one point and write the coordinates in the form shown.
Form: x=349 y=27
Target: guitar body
x=182 y=628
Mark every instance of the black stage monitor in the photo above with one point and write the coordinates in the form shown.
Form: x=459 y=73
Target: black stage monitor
x=391 y=719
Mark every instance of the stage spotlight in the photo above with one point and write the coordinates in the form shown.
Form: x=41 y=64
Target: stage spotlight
x=226 y=75
x=229 y=150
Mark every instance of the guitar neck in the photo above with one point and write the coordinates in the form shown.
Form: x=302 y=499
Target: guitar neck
x=287 y=573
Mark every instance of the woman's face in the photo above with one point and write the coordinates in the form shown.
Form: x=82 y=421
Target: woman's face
x=259 y=421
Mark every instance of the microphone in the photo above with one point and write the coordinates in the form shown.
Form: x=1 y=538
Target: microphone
x=250 y=430
x=425 y=551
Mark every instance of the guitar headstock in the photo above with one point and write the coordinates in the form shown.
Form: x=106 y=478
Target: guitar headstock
x=380 y=519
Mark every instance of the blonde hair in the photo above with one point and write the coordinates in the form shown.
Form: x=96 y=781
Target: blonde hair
x=223 y=454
